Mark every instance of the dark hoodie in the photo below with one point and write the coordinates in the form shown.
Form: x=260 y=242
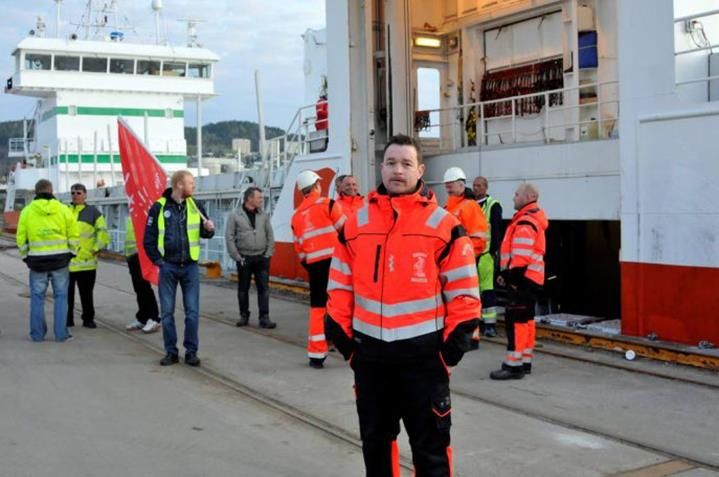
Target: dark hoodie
x=177 y=247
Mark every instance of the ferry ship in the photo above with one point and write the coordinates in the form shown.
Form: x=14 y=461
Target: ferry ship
x=606 y=105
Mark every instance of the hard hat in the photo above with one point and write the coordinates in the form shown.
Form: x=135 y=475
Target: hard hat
x=306 y=179
x=454 y=174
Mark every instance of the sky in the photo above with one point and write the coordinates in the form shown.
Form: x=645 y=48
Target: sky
x=246 y=34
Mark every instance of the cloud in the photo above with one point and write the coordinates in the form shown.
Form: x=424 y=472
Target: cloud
x=246 y=34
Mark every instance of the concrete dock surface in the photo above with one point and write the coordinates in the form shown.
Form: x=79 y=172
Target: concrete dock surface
x=100 y=405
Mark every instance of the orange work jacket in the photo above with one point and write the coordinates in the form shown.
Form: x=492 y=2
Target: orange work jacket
x=470 y=215
x=314 y=227
x=524 y=243
x=350 y=204
x=403 y=281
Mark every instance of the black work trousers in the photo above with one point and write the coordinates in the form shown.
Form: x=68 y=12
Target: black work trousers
x=416 y=393
x=518 y=311
x=319 y=276
x=146 y=303
x=259 y=267
x=86 y=284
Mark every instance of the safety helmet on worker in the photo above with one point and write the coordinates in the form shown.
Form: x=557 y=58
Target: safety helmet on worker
x=306 y=179
x=454 y=174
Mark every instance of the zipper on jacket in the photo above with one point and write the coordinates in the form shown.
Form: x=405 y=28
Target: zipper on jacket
x=376 y=262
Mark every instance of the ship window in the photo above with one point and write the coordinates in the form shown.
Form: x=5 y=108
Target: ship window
x=197 y=70
x=148 y=67
x=37 y=62
x=428 y=98
x=94 y=65
x=67 y=63
x=122 y=66
x=173 y=69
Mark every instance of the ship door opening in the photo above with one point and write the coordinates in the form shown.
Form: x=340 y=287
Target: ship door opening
x=583 y=276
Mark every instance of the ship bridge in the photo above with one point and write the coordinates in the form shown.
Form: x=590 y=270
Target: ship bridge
x=82 y=87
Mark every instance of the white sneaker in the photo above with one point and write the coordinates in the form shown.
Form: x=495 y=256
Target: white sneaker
x=134 y=326
x=151 y=326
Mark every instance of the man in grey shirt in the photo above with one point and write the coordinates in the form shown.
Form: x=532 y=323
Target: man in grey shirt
x=251 y=243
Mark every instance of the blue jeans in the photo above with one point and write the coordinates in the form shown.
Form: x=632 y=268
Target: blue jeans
x=39 y=281
x=188 y=277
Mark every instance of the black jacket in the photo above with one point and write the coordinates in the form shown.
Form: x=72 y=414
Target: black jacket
x=177 y=247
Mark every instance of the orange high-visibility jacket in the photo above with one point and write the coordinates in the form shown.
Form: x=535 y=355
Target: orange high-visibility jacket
x=470 y=215
x=314 y=227
x=524 y=243
x=403 y=282
x=350 y=204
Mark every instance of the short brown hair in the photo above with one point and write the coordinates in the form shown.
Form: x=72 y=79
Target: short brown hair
x=179 y=176
x=250 y=192
x=404 y=140
x=43 y=186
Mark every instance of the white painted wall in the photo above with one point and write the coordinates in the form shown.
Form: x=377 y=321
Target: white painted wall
x=577 y=181
x=677 y=189
x=315 y=63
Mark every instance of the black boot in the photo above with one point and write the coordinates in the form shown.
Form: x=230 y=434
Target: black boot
x=317 y=363
x=473 y=344
x=490 y=330
x=243 y=321
x=507 y=372
x=265 y=322
x=527 y=368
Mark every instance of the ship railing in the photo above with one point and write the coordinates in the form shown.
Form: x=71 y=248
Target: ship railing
x=300 y=138
x=584 y=112
x=691 y=25
x=19 y=147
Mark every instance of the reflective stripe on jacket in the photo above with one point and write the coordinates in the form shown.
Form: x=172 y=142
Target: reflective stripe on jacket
x=193 y=227
x=403 y=278
x=470 y=215
x=314 y=227
x=93 y=236
x=524 y=242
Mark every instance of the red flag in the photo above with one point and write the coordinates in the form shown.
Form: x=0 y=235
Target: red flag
x=144 y=183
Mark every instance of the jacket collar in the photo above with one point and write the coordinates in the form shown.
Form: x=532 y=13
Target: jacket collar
x=423 y=195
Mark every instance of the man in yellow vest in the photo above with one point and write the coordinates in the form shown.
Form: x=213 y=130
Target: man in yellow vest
x=488 y=260
x=147 y=317
x=47 y=237
x=174 y=226
x=83 y=267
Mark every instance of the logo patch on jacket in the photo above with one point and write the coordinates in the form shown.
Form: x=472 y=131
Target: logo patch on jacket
x=420 y=263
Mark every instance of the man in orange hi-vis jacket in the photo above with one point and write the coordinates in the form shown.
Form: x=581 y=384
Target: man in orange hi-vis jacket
x=522 y=273
x=403 y=303
x=461 y=203
x=314 y=226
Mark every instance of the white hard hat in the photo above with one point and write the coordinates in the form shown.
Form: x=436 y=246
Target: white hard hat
x=454 y=174
x=306 y=179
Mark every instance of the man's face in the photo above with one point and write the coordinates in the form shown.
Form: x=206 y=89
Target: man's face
x=401 y=170
x=479 y=188
x=78 y=196
x=349 y=186
x=520 y=198
x=255 y=200
x=455 y=188
x=187 y=186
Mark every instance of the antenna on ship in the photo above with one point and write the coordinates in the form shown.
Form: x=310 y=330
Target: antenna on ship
x=57 y=18
x=157 y=8
x=192 y=40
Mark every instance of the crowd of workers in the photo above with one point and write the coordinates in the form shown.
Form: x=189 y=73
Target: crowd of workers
x=399 y=285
